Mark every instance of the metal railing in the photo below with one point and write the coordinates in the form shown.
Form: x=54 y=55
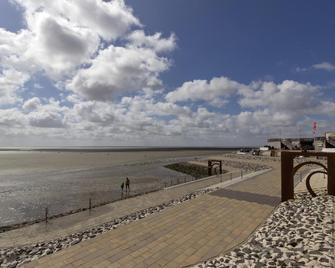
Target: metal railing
x=165 y=183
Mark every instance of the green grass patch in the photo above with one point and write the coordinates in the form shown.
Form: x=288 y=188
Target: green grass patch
x=196 y=171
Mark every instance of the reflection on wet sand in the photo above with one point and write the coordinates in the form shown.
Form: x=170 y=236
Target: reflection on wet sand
x=66 y=181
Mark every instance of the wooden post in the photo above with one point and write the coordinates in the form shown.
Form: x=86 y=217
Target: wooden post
x=220 y=167
x=287 y=184
x=46 y=215
x=209 y=168
x=331 y=174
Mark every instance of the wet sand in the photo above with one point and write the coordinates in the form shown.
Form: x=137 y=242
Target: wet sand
x=64 y=181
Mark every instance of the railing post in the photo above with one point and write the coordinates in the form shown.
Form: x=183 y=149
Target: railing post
x=209 y=168
x=46 y=215
x=90 y=203
x=287 y=184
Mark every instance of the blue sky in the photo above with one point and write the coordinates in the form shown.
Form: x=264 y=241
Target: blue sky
x=245 y=40
x=211 y=73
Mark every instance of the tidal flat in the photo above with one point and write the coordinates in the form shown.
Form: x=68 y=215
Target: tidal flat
x=64 y=181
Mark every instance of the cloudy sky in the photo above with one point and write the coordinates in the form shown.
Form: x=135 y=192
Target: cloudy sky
x=165 y=73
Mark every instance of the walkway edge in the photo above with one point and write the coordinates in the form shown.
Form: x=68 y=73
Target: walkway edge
x=239 y=179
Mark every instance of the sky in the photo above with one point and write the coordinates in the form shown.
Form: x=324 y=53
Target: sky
x=165 y=73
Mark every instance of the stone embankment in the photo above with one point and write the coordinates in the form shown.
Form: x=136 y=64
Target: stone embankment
x=300 y=233
x=15 y=256
x=253 y=157
x=245 y=166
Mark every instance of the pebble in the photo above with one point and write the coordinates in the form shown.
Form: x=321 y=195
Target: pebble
x=297 y=234
x=14 y=256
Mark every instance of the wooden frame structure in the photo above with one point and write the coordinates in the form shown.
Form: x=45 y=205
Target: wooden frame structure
x=212 y=163
x=288 y=171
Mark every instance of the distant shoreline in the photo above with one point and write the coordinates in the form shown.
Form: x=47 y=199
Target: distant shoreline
x=116 y=149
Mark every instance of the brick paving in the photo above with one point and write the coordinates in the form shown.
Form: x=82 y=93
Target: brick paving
x=182 y=235
x=81 y=221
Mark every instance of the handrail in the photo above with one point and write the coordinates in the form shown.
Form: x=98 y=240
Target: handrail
x=297 y=167
x=308 y=184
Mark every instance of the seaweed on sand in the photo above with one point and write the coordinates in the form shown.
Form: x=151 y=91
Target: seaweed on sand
x=193 y=170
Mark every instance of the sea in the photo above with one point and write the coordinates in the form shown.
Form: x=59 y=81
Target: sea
x=64 y=179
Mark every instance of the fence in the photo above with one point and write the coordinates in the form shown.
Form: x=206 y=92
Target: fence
x=49 y=211
x=218 y=178
x=288 y=170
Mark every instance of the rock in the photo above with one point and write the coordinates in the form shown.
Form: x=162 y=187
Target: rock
x=324 y=260
x=7 y=256
x=297 y=234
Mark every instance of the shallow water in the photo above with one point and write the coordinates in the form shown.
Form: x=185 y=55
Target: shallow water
x=30 y=182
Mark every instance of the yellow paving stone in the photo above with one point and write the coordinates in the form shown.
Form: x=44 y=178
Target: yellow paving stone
x=185 y=234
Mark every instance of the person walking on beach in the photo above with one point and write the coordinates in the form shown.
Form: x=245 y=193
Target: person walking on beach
x=127 y=185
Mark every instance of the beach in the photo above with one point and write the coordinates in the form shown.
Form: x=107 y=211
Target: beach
x=64 y=181
x=206 y=223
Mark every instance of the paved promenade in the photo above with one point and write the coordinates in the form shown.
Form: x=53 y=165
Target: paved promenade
x=182 y=235
x=83 y=220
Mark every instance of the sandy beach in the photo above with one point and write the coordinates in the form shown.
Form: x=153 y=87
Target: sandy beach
x=63 y=181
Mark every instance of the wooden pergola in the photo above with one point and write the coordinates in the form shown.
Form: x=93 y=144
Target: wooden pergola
x=212 y=163
x=288 y=170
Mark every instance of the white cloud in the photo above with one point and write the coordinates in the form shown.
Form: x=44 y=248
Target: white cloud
x=148 y=116
x=50 y=43
x=67 y=40
x=323 y=107
x=301 y=69
x=12 y=47
x=47 y=120
x=10 y=81
x=288 y=95
x=156 y=42
x=57 y=47
x=119 y=70
x=108 y=70
x=326 y=66
x=32 y=104
x=216 y=88
x=11 y=118
x=110 y=19
x=49 y=115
